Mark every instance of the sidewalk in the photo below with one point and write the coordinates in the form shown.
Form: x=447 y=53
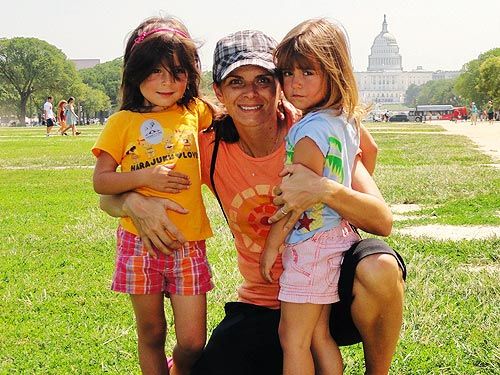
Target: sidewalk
x=486 y=136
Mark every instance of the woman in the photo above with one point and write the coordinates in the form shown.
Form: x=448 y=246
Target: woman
x=71 y=116
x=249 y=153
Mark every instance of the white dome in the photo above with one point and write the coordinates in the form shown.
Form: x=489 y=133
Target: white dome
x=384 y=52
x=385 y=39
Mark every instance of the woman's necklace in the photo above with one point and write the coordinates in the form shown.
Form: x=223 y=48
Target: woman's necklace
x=246 y=149
x=278 y=139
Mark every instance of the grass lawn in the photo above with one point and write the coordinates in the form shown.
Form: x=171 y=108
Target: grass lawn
x=58 y=316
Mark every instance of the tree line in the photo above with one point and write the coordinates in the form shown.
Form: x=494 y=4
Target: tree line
x=32 y=69
x=479 y=82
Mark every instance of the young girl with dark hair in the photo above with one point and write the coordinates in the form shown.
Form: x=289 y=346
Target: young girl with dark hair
x=156 y=130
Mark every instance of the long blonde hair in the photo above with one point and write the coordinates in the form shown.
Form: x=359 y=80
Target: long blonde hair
x=321 y=41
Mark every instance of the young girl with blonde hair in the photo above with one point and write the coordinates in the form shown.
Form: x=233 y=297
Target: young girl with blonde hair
x=156 y=129
x=317 y=77
x=71 y=116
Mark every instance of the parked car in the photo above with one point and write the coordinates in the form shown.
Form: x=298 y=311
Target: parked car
x=399 y=118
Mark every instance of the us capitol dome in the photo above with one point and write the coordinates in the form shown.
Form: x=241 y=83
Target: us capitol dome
x=385 y=52
x=385 y=81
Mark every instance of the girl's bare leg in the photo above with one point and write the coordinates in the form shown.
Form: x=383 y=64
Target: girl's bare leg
x=190 y=314
x=151 y=332
x=326 y=353
x=296 y=328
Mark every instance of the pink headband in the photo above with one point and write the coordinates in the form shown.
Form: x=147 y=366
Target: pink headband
x=143 y=35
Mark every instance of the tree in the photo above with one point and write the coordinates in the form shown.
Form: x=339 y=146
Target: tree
x=489 y=79
x=6 y=101
x=411 y=95
x=437 y=92
x=30 y=66
x=473 y=83
x=105 y=77
x=206 y=89
x=94 y=102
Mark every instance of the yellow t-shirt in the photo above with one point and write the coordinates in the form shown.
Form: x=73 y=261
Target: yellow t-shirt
x=143 y=140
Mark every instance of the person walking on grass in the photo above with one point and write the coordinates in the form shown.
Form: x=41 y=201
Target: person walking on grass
x=71 y=116
x=48 y=115
x=61 y=116
x=156 y=130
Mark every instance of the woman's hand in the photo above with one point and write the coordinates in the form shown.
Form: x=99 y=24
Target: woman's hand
x=152 y=222
x=363 y=205
x=164 y=178
x=300 y=189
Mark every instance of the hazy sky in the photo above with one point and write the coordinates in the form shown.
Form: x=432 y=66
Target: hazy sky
x=436 y=34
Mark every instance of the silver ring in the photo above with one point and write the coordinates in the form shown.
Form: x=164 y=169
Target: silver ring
x=283 y=211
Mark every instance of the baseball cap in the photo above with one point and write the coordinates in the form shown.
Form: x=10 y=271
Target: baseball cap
x=248 y=47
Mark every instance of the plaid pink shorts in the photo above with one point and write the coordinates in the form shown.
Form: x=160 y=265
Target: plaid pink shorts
x=185 y=272
x=312 y=267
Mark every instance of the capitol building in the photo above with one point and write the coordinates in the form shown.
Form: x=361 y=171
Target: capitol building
x=385 y=81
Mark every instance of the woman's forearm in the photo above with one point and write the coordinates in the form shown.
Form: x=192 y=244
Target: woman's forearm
x=365 y=211
x=113 y=204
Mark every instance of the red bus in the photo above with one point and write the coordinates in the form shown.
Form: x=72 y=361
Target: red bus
x=459 y=113
x=437 y=112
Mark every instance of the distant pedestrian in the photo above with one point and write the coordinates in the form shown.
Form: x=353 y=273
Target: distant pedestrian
x=48 y=115
x=473 y=113
x=482 y=115
x=491 y=112
x=71 y=116
x=61 y=116
x=456 y=116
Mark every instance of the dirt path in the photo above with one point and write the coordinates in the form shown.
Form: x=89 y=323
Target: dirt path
x=486 y=136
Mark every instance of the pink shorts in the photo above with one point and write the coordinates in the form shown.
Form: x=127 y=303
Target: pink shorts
x=312 y=267
x=185 y=272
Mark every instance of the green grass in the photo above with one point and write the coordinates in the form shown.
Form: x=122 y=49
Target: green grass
x=58 y=315
x=443 y=173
